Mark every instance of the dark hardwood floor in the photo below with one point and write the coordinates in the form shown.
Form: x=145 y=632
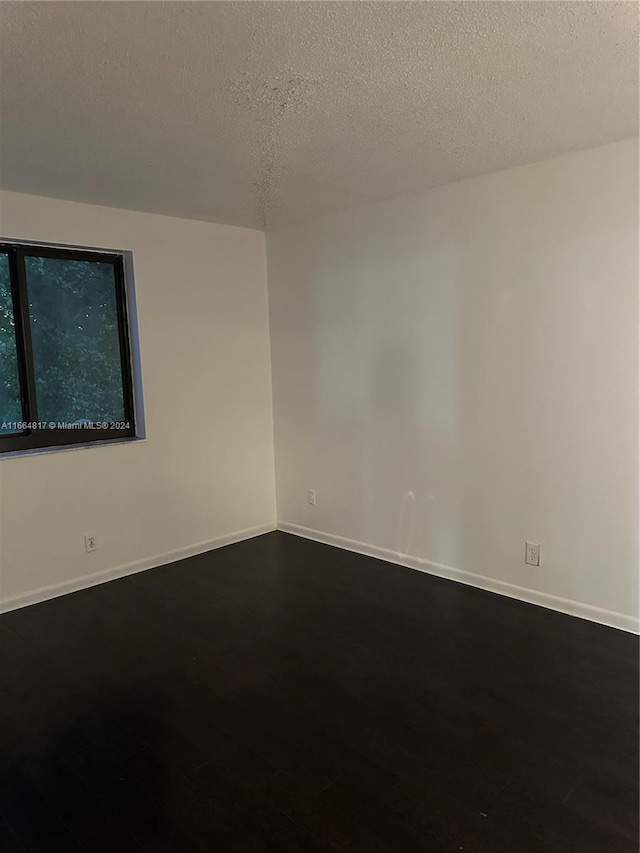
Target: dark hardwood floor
x=281 y=695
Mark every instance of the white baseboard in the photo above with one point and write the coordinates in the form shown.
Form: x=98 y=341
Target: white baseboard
x=543 y=599
x=75 y=584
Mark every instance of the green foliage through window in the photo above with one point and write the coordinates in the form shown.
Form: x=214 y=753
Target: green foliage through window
x=10 y=400
x=65 y=367
x=74 y=334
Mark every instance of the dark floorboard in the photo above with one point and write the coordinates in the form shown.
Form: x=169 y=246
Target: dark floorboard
x=281 y=695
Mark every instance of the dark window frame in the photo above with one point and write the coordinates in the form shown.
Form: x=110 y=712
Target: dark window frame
x=43 y=438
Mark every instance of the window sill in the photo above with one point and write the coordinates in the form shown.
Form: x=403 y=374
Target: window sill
x=67 y=448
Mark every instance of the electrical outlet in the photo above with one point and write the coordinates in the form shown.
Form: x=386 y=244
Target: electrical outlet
x=532 y=553
x=90 y=542
x=311 y=497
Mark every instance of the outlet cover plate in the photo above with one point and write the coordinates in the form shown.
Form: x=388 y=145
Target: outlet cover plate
x=532 y=553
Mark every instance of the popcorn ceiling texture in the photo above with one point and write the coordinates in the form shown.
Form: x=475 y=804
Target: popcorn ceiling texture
x=270 y=101
x=262 y=114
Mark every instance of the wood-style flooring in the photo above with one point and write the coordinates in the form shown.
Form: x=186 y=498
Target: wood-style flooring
x=283 y=695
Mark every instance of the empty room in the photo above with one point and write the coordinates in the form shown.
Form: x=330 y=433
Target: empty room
x=319 y=426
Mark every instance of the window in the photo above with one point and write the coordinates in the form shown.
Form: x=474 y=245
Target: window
x=65 y=364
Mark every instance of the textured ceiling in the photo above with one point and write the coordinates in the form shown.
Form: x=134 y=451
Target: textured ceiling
x=266 y=113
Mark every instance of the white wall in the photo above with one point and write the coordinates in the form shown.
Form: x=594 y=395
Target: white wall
x=454 y=372
x=457 y=371
x=205 y=470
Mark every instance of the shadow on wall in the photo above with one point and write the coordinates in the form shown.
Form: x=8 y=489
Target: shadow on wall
x=421 y=356
x=394 y=449
x=387 y=327
x=408 y=458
